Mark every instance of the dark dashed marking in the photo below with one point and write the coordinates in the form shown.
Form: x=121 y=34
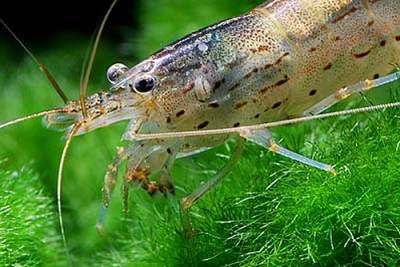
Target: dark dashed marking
x=248 y=75
x=169 y=120
x=282 y=82
x=186 y=145
x=180 y=113
x=203 y=125
x=235 y=86
x=255 y=70
x=188 y=88
x=328 y=67
x=313 y=49
x=337 y=38
x=370 y=23
x=376 y=76
x=348 y=13
x=279 y=83
x=169 y=151
x=281 y=58
x=383 y=43
x=267 y=66
x=213 y=105
x=257 y=116
x=277 y=105
x=398 y=38
x=236 y=124
x=361 y=55
x=218 y=84
x=240 y=104
x=313 y=92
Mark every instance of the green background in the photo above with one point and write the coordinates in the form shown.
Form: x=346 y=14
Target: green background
x=269 y=211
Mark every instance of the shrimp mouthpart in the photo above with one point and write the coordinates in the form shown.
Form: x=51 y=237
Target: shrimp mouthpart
x=103 y=109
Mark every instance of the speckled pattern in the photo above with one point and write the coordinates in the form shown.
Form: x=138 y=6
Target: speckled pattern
x=271 y=63
x=274 y=61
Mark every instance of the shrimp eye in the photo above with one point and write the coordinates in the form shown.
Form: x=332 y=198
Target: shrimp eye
x=115 y=72
x=145 y=84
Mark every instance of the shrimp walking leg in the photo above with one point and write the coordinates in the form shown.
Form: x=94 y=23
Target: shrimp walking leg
x=188 y=201
x=110 y=180
x=150 y=159
x=350 y=90
x=265 y=139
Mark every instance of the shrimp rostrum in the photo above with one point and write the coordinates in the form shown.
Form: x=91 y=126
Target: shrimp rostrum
x=284 y=59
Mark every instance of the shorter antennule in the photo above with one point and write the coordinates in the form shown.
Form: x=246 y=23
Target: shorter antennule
x=32 y=116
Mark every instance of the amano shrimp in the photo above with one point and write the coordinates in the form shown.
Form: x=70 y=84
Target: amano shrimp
x=284 y=59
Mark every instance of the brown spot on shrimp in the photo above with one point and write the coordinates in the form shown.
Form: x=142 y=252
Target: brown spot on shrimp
x=213 y=105
x=282 y=82
x=313 y=92
x=279 y=83
x=361 y=55
x=188 y=88
x=328 y=67
x=180 y=113
x=276 y=105
x=342 y=16
x=247 y=76
x=218 y=84
x=269 y=65
x=235 y=86
x=203 y=125
x=240 y=104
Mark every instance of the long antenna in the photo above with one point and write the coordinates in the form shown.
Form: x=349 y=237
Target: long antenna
x=32 y=116
x=171 y=135
x=59 y=180
x=85 y=82
x=42 y=68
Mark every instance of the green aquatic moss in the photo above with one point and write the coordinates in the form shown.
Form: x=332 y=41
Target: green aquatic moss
x=27 y=222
